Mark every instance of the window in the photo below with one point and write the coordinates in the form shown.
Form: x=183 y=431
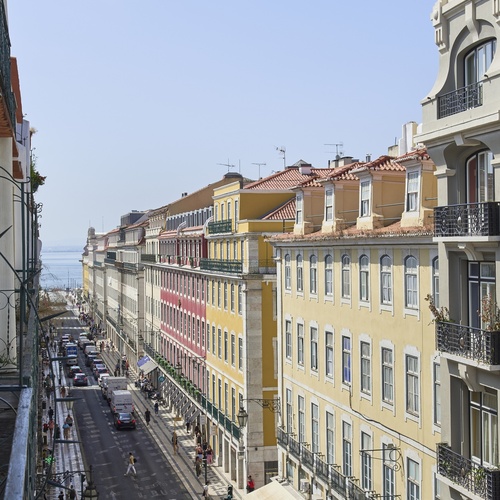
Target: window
x=386 y=280
x=329 y=275
x=300 y=344
x=233 y=404
x=214 y=352
x=229 y=209
x=435 y=281
x=412 y=386
x=346 y=277
x=208 y=337
x=478 y=61
x=364 y=210
x=213 y=389
x=289 y=412
x=213 y=293
x=484 y=427
x=329 y=354
x=314 y=428
x=219 y=295
x=346 y=360
x=366 y=461
x=387 y=376
x=288 y=339
x=219 y=342
x=240 y=353
x=412 y=189
x=314 y=349
x=413 y=480
x=219 y=399
x=225 y=296
x=364 y=278
x=226 y=347
x=236 y=210
x=226 y=399
x=330 y=439
x=300 y=282
x=347 y=449
x=411 y=288
x=222 y=216
x=298 y=208
x=232 y=297
x=389 y=474
x=366 y=385
x=329 y=204
x=302 y=419
x=437 y=393
x=288 y=272
x=313 y=274
x=480 y=178
x=240 y=300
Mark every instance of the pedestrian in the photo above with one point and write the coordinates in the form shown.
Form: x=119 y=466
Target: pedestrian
x=209 y=455
x=250 y=485
x=51 y=413
x=69 y=420
x=61 y=495
x=198 y=466
x=174 y=442
x=157 y=406
x=51 y=427
x=148 y=416
x=66 y=430
x=57 y=432
x=198 y=438
x=72 y=492
x=62 y=390
x=205 y=490
x=188 y=425
x=131 y=464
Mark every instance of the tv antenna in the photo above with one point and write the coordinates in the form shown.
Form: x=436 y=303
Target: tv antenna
x=338 y=149
x=282 y=151
x=259 y=165
x=228 y=165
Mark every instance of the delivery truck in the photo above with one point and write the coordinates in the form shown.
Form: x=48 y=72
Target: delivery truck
x=113 y=384
x=121 y=402
x=71 y=354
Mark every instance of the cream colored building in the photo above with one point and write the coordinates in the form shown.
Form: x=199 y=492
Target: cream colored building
x=461 y=130
x=359 y=377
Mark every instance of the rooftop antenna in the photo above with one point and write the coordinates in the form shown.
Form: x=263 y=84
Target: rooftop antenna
x=338 y=149
x=259 y=165
x=282 y=151
x=228 y=165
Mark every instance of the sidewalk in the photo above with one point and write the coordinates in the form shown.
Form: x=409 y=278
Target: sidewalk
x=161 y=429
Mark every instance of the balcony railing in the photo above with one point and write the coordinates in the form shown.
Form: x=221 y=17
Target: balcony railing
x=307 y=457
x=294 y=448
x=468 y=342
x=282 y=437
x=149 y=257
x=460 y=100
x=470 y=219
x=223 y=266
x=222 y=226
x=462 y=471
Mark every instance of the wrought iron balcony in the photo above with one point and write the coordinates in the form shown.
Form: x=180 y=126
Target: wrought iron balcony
x=470 y=219
x=460 y=100
x=223 y=266
x=462 y=471
x=468 y=342
x=282 y=437
x=149 y=257
x=294 y=447
x=307 y=457
x=222 y=226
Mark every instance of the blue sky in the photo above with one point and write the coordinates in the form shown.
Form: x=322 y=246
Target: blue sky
x=137 y=102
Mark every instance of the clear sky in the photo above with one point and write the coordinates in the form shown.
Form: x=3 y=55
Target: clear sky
x=136 y=102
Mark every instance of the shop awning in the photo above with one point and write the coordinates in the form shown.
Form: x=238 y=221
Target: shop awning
x=193 y=413
x=186 y=407
x=146 y=365
x=273 y=490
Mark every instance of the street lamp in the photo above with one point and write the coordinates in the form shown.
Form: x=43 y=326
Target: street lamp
x=242 y=418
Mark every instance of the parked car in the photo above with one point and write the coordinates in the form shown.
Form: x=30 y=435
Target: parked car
x=83 y=338
x=124 y=421
x=73 y=370
x=96 y=367
x=80 y=379
x=100 y=371
x=89 y=359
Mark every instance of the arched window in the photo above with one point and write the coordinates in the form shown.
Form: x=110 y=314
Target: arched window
x=346 y=276
x=288 y=272
x=313 y=274
x=386 y=280
x=300 y=275
x=411 y=283
x=329 y=275
x=364 y=275
x=480 y=186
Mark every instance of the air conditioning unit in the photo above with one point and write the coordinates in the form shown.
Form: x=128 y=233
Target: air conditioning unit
x=304 y=486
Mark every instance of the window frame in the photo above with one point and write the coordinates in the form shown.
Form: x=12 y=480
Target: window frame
x=328 y=261
x=313 y=332
x=346 y=276
x=386 y=280
x=346 y=360
x=299 y=262
x=313 y=274
x=364 y=278
x=411 y=282
x=412 y=378
x=365 y=367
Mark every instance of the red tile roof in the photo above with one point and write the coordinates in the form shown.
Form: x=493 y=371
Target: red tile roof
x=285 y=211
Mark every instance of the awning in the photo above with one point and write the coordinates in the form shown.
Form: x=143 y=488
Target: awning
x=186 y=407
x=146 y=365
x=177 y=398
x=273 y=490
x=194 y=412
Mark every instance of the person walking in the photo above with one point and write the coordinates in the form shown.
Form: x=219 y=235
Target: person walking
x=61 y=495
x=131 y=465
x=205 y=490
x=174 y=442
x=250 y=484
x=66 y=430
x=50 y=412
x=148 y=416
x=51 y=428
x=72 y=493
x=198 y=465
x=157 y=407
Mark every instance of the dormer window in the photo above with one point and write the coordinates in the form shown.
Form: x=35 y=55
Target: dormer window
x=412 y=191
x=329 y=204
x=299 y=200
x=364 y=209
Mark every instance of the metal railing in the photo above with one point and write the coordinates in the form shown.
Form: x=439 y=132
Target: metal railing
x=149 y=257
x=468 y=342
x=223 y=266
x=462 y=471
x=282 y=437
x=469 y=219
x=460 y=100
x=222 y=226
x=294 y=447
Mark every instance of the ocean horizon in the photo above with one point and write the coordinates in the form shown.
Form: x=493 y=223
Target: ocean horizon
x=61 y=267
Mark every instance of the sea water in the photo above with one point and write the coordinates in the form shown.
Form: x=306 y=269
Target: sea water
x=61 y=268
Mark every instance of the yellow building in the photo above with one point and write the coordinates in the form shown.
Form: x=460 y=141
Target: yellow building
x=359 y=377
